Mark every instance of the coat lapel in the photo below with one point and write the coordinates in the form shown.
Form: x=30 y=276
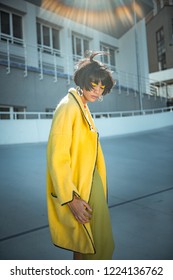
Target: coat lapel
x=73 y=92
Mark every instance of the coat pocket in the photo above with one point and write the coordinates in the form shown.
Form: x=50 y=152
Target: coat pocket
x=63 y=212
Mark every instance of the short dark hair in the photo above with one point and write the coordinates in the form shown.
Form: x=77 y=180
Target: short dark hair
x=90 y=70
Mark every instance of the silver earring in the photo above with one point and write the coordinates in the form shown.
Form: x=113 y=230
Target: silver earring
x=100 y=99
x=79 y=91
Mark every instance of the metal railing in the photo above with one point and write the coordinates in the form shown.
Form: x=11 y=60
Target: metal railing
x=120 y=114
x=56 y=63
x=25 y=115
x=95 y=115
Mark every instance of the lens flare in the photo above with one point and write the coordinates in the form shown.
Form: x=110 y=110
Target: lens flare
x=104 y=15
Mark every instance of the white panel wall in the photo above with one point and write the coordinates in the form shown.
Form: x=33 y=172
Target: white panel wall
x=126 y=125
x=162 y=75
x=33 y=131
x=129 y=49
x=30 y=35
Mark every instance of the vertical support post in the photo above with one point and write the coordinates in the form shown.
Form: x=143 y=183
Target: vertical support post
x=137 y=57
x=55 y=70
x=41 y=64
x=8 y=57
x=25 y=55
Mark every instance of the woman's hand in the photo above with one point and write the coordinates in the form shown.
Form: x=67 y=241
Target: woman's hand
x=80 y=209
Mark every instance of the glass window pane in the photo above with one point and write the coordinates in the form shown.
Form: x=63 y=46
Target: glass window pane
x=55 y=35
x=161 y=34
x=158 y=36
x=161 y=51
x=46 y=36
x=78 y=46
x=112 y=57
x=38 y=33
x=17 y=26
x=5 y=23
x=5 y=116
x=86 y=45
x=105 y=57
x=73 y=47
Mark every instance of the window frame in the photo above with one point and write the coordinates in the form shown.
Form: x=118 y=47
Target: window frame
x=50 y=49
x=10 y=37
x=8 y=112
x=161 y=48
x=107 y=48
x=75 y=37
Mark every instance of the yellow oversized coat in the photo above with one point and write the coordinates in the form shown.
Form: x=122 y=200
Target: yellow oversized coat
x=73 y=151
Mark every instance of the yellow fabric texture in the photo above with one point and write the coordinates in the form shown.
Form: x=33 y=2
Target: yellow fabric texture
x=100 y=223
x=73 y=150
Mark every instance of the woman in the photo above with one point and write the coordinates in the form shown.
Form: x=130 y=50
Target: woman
x=76 y=174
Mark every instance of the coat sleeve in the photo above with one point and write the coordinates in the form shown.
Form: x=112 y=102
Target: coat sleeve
x=59 y=158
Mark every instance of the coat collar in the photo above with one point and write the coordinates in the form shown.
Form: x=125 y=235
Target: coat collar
x=76 y=96
x=73 y=92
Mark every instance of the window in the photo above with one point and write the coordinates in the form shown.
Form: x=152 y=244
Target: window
x=11 y=27
x=4 y=110
x=48 y=38
x=108 y=59
x=49 y=112
x=5 y=23
x=167 y=2
x=158 y=3
x=161 y=50
x=80 y=45
x=17 y=26
x=19 y=109
x=55 y=39
x=171 y=39
x=7 y=112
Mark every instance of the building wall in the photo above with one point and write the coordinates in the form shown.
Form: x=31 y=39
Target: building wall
x=133 y=55
x=30 y=91
x=38 y=95
x=32 y=13
x=25 y=83
x=162 y=19
x=130 y=47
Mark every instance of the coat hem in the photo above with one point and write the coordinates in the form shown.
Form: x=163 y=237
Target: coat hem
x=68 y=249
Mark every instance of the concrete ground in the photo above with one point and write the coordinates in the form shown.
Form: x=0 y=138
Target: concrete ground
x=140 y=179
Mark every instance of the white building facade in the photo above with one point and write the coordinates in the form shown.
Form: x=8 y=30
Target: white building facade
x=38 y=52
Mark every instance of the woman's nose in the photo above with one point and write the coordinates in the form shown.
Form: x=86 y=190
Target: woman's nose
x=97 y=90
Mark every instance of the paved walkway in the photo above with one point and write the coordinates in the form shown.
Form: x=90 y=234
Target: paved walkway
x=140 y=178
